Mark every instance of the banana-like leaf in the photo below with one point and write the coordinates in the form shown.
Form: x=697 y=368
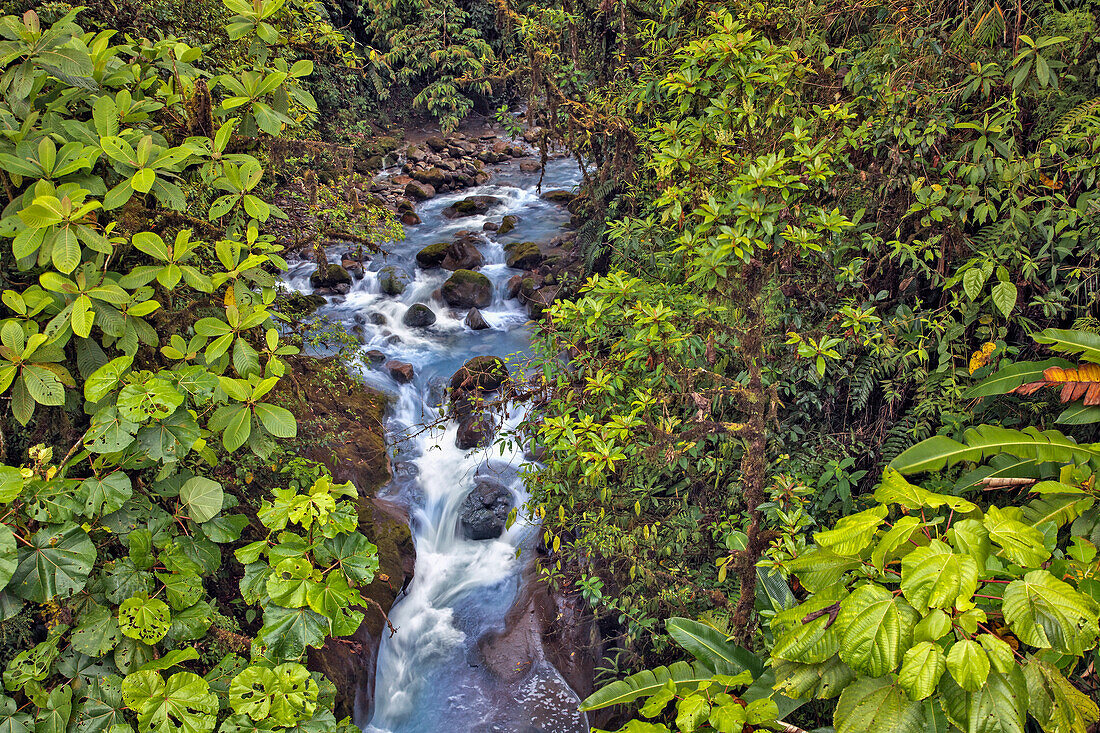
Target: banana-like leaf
x=1007 y=379
x=647 y=682
x=986 y=441
x=710 y=646
x=1086 y=345
x=1079 y=414
x=1078 y=383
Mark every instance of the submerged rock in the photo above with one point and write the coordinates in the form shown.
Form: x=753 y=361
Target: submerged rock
x=330 y=278
x=476 y=321
x=418 y=316
x=482 y=373
x=463 y=254
x=470 y=206
x=467 y=289
x=392 y=281
x=507 y=224
x=485 y=511
x=402 y=372
x=523 y=255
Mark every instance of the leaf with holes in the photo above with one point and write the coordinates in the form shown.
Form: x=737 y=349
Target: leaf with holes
x=145 y=619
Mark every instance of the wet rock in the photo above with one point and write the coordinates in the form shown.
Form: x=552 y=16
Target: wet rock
x=401 y=180
x=410 y=218
x=414 y=153
x=433 y=176
x=463 y=254
x=476 y=321
x=432 y=255
x=418 y=316
x=402 y=372
x=541 y=300
x=419 y=191
x=437 y=391
x=474 y=431
x=559 y=196
x=467 y=289
x=436 y=143
x=378 y=319
x=523 y=255
x=392 y=281
x=507 y=224
x=330 y=277
x=490 y=226
x=354 y=268
x=482 y=373
x=533 y=135
x=375 y=356
x=470 y=206
x=481 y=178
x=485 y=511
x=306 y=303
x=530 y=166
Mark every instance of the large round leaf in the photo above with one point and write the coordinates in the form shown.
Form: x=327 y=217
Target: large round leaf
x=144 y=619
x=878 y=628
x=183 y=703
x=203 y=498
x=57 y=563
x=876 y=705
x=936 y=577
x=1048 y=613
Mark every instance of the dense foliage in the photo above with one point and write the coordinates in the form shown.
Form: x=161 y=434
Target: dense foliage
x=139 y=348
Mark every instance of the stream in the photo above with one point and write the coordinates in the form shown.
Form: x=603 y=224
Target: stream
x=430 y=674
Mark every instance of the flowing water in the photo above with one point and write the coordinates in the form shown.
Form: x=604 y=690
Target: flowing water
x=430 y=674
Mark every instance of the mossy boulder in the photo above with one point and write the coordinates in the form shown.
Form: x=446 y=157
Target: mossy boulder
x=418 y=316
x=432 y=255
x=507 y=224
x=470 y=206
x=419 y=191
x=392 y=281
x=523 y=255
x=482 y=373
x=434 y=177
x=330 y=277
x=559 y=196
x=467 y=289
x=436 y=143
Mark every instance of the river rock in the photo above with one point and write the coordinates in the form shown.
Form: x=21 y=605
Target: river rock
x=410 y=218
x=541 y=300
x=482 y=373
x=533 y=135
x=392 y=281
x=467 y=289
x=559 y=196
x=507 y=224
x=402 y=372
x=490 y=226
x=530 y=166
x=476 y=321
x=419 y=191
x=434 y=177
x=436 y=143
x=485 y=511
x=474 y=431
x=331 y=278
x=401 y=180
x=418 y=316
x=523 y=255
x=375 y=356
x=414 y=153
x=463 y=255
x=470 y=206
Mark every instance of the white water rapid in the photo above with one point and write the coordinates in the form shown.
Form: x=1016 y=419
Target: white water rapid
x=430 y=674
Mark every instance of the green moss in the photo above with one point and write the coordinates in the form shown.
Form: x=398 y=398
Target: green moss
x=464 y=277
x=432 y=255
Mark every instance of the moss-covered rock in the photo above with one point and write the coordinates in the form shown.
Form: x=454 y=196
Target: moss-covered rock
x=433 y=176
x=507 y=224
x=432 y=255
x=392 y=281
x=523 y=255
x=470 y=206
x=559 y=196
x=418 y=316
x=330 y=277
x=482 y=373
x=467 y=289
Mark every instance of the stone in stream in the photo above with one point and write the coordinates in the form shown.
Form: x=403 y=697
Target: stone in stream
x=475 y=321
x=392 y=281
x=402 y=372
x=482 y=373
x=435 y=177
x=463 y=254
x=490 y=226
x=332 y=278
x=375 y=356
x=559 y=196
x=530 y=166
x=419 y=191
x=418 y=316
x=467 y=289
x=410 y=218
x=523 y=255
x=485 y=511
x=474 y=431
x=470 y=206
x=432 y=255
x=508 y=223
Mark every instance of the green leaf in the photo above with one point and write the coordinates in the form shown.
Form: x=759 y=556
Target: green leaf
x=1004 y=297
x=101 y=707
x=184 y=703
x=106 y=378
x=145 y=619
x=288 y=632
x=823 y=680
x=921 y=669
x=854 y=533
x=1048 y=613
x=710 y=646
x=1019 y=543
x=56 y=563
x=11 y=483
x=278 y=421
x=107 y=494
x=876 y=705
x=8 y=555
x=935 y=577
x=203 y=498
x=1008 y=378
x=1082 y=343
x=691 y=712
x=968 y=664
x=818 y=568
x=1055 y=703
x=97 y=632
x=290 y=581
x=974 y=281
x=355 y=554
x=645 y=683
x=985 y=441
x=998 y=707
x=878 y=628
x=812 y=641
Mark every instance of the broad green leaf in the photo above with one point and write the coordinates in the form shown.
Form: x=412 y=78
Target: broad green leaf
x=1004 y=297
x=898 y=541
x=969 y=536
x=8 y=555
x=278 y=421
x=691 y=712
x=290 y=582
x=1019 y=543
x=144 y=619
x=203 y=498
x=181 y=704
x=818 y=568
x=921 y=668
x=852 y=534
x=985 y=441
x=968 y=664
x=1048 y=613
x=998 y=707
x=56 y=563
x=106 y=378
x=876 y=705
x=1008 y=378
x=645 y=683
x=288 y=632
x=710 y=646
x=823 y=680
x=935 y=577
x=356 y=555
x=812 y=634
x=1055 y=702
x=878 y=628
x=97 y=632
x=105 y=495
